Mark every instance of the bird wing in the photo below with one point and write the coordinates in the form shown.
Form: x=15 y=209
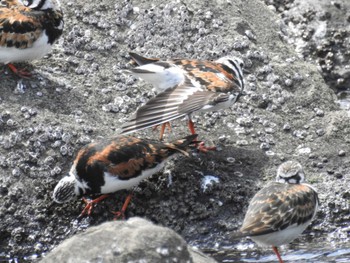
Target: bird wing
x=140 y=60
x=174 y=103
x=19 y=27
x=10 y=3
x=279 y=206
x=151 y=68
x=124 y=156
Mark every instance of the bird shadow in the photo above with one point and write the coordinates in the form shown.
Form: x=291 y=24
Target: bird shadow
x=43 y=90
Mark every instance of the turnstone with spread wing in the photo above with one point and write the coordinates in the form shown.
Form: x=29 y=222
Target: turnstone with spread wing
x=185 y=86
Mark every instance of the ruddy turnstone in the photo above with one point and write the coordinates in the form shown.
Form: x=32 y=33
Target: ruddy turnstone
x=281 y=211
x=185 y=86
x=28 y=31
x=114 y=164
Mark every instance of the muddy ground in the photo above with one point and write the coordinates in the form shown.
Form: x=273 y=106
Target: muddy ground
x=77 y=94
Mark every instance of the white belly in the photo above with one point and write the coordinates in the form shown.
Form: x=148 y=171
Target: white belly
x=281 y=237
x=114 y=184
x=40 y=48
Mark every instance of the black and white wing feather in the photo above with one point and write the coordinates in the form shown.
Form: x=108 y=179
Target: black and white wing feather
x=140 y=60
x=174 y=103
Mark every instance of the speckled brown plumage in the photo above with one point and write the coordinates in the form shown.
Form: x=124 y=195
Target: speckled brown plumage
x=21 y=26
x=282 y=210
x=278 y=206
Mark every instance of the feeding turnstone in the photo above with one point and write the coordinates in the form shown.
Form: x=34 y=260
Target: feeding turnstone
x=281 y=211
x=185 y=86
x=114 y=164
x=27 y=32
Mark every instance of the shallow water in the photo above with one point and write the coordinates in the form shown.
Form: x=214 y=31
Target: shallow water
x=228 y=256
x=341 y=255
x=298 y=253
x=310 y=247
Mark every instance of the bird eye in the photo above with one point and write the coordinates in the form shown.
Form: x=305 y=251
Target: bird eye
x=236 y=62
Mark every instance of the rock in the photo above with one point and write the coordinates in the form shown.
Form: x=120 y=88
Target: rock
x=134 y=240
x=319 y=30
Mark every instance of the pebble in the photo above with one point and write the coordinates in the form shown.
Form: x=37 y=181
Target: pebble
x=338 y=175
x=341 y=153
x=230 y=159
x=319 y=112
x=286 y=127
x=242 y=142
x=320 y=132
x=265 y=146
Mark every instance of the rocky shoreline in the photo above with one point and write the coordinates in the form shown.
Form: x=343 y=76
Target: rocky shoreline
x=77 y=95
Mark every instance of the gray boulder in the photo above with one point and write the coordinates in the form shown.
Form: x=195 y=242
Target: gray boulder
x=134 y=240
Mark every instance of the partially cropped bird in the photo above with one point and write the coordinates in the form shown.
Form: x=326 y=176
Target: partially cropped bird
x=28 y=31
x=282 y=210
x=185 y=86
x=114 y=164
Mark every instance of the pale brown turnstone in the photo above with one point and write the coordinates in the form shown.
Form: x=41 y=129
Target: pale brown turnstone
x=282 y=210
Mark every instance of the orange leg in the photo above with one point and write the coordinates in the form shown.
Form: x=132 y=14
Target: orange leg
x=275 y=249
x=90 y=204
x=19 y=72
x=191 y=126
x=121 y=213
x=162 y=129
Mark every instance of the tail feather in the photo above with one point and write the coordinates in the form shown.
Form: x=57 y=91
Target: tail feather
x=237 y=234
x=140 y=60
x=182 y=144
x=136 y=71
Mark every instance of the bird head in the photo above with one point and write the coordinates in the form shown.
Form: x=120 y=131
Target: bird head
x=66 y=189
x=290 y=172
x=235 y=66
x=43 y=4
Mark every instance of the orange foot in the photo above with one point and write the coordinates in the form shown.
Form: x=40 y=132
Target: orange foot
x=90 y=204
x=202 y=148
x=22 y=73
x=121 y=214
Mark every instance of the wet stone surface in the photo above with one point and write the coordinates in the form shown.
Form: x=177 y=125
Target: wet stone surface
x=77 y=95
